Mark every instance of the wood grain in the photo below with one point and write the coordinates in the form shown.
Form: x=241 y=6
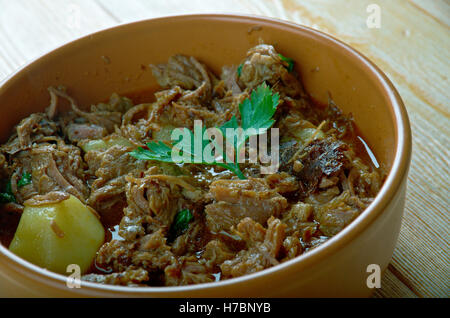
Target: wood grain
x=411 y=47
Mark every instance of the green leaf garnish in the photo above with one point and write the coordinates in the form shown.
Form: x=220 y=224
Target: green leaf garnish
x=239 y=70
x=157 y=151
x=256 y=113
x=288 y=60
x=180 y=223
x=24 y=180
x=7 y=196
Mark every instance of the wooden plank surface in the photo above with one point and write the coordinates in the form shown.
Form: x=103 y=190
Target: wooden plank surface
x=412 y=46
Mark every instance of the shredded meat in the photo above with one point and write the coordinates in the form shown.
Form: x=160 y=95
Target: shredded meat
x=263 y=247
x=336 y=214
x=321 y=158
x=237 y=199
x=110 y=168
x=263 y=64
x=49 y=198
x=77 y=132
x=130 y=277
x=179 y=224
x=53 y=168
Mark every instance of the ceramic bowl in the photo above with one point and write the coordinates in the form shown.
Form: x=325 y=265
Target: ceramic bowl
x=117 y=59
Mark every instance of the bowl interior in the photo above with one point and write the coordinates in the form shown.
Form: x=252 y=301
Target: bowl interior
x=117 y=60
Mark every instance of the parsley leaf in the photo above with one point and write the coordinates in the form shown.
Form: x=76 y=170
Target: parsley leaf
x=157 y=151
x=7 y=196
x=258 y=111
x=288 y=60
x=239 y=70
x=180 y=223
x=24 y=180
x=256 y=114
x=256 y=118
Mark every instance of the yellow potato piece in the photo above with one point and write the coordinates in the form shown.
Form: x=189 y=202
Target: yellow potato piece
x=56 y=235
x=105 y=143
x=164 y=133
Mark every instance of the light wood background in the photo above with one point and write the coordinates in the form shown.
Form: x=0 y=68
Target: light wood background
x=412 y=46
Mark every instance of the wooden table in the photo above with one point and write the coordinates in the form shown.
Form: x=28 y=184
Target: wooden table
x=412 y=46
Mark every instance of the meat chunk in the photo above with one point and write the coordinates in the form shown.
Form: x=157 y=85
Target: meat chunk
x=299 y=221
x=53 y=168
x=292 y=247
x=193 y=239
x=110 y=167
x=216 y=252
x=149 y=252
x=152 y=253
x=336 y=214
x=282 y=183
x=115 y=255
x=299 y=216
x=77 y=132
x=230 y=78
x=106 y=119
x=187 y=73
x=264 y=64
x=187 y=271
x=237 y=199
x=33 y=129
x=323 y=157
x=129 y=277
x=264 y=248
x=152 y=203
x=116 y=103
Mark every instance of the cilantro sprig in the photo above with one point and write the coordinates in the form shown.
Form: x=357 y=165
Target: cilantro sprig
x=290 y=64
x=239 y=70
x=256 y=117
x=180 y=223
x=159 y=151
x=7 y=196
x=288 y=60
x=24 y=180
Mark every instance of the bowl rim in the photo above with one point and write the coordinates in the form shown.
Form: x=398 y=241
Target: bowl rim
x=396 y=176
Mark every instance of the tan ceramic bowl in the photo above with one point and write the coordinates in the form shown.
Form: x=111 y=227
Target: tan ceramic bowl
x=336 y=268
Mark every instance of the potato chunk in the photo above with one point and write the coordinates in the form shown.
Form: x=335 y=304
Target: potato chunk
x=105 y=143
x=58 y=234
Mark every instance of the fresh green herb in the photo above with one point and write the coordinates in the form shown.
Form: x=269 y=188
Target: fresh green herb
x=181 y=223
x=24 y=180
x=239 y=70
x=157 y=151
x=288 y=60
x=256 y=113
x=256 y=118
x=7 y=196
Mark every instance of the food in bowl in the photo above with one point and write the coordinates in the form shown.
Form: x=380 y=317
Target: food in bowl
x=102 y=190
